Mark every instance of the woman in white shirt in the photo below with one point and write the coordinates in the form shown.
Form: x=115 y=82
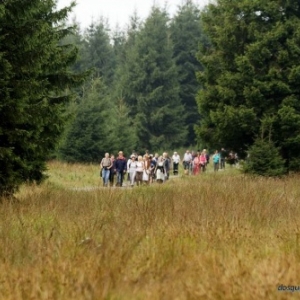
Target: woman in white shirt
x=176 y=161
x=132 y=167
x=139 y=170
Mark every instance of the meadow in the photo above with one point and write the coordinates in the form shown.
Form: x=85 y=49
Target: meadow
x=212 y=236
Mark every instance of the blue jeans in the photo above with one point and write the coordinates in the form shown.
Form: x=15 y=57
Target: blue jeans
x=120 y=176
x=105 y=176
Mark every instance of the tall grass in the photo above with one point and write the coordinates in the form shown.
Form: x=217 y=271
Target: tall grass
x=212 y=236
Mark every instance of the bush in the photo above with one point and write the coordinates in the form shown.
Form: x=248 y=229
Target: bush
x=264 y=159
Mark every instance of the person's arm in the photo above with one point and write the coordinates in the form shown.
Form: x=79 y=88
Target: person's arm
x=117 y=166
x=110 y=165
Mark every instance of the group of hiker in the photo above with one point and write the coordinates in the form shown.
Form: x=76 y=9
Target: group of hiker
x=139 y=169
x=149 y=168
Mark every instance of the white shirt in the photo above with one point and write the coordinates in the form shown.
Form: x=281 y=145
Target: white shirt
x=187 y=157
x=176 y=158
x=132 y=167
x=140 y=166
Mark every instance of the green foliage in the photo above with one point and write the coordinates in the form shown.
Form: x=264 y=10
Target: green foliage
x=89 y=136
x=98 y=53
x=34 y=72
x=251 y=75
x=124 y=132
x=186 y=34
x=153 y=90
x=264 y=159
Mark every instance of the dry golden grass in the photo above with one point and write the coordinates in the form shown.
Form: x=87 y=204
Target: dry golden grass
x=214 y=236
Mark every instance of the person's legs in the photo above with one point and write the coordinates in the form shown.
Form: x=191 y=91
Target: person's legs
x=222 y=163
x=185 y=165
x=111 y=178
x=103 y=176
x=216 y=165
x=175 y=169
x=106 y=177
x=132 y=178
x=139 y=178
x=121 y=178
x=118 y=179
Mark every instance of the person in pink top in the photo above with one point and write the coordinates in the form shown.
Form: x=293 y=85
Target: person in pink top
x=203 y=161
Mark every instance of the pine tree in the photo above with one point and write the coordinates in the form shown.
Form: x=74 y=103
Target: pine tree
x=264 y=159
x=98 y=53
x=34 y=76
x=127 y=71
x=153 y=86
x=90 y=134
x=251 y=75
x=186 y=34
x=124 y=133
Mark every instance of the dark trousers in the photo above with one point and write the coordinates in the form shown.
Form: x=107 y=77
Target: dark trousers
x=186 y=165
x=222 y=166
x=111 y=178
x=175 y=168
x=203 y=167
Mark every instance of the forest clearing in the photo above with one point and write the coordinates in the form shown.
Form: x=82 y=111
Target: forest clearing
x=211 y=236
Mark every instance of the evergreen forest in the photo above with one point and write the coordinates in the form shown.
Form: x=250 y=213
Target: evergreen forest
x=223 y=76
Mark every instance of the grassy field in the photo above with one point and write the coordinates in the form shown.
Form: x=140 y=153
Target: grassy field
x=212 y=236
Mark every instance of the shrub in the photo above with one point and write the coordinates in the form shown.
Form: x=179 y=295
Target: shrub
x=264 y=159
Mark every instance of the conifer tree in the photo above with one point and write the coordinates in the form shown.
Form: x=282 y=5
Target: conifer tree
x=98 y=52
x=124 y=133
x=34 y=72
x=153 y=86
x=264 y=159
x=89 y=136
x=186 y=34
x=251 y=75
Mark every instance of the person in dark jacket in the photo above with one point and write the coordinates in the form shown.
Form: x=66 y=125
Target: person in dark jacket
x=121 y=168
x=112 y=170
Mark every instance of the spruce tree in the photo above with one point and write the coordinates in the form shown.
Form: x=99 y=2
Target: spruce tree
x=153 y=86
x=124 y=133
x=90 y=134
x=264 y=159
x=98 y=53
x=187 y=34
x=34 y=71
x=251 y=75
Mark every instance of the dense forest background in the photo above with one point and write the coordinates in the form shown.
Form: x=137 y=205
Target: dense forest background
x=142 y=90
x=227 y=76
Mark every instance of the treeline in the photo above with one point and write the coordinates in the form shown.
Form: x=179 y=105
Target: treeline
x=136 y=89
x=142 y=90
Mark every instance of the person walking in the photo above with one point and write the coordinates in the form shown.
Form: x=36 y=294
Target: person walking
x=160 y=170
x=216 y=160
x=112 y=172
x=222 y=158
x=121 y=168
x=105 y=166
x=196 y=164
x=167 y=165
x=146 y=172
x=139 y=171
x=132 y=167
x=176 y=161
x=187 y=160
x=153 y=163
x=203 y=161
